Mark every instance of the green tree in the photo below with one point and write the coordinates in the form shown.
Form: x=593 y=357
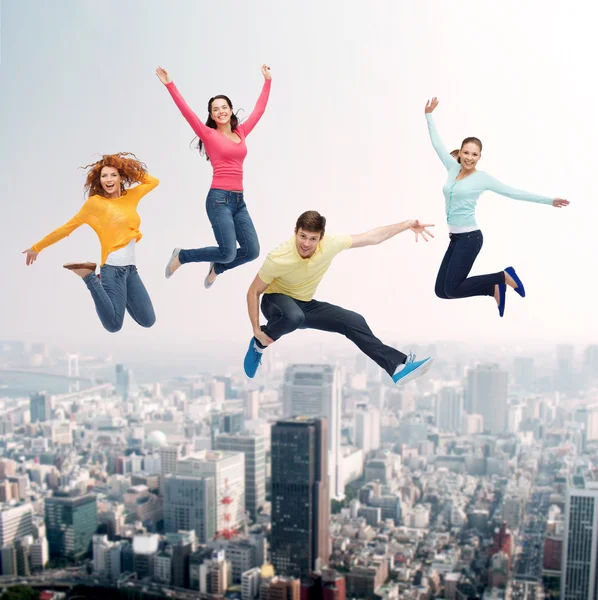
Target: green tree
x=20 y=592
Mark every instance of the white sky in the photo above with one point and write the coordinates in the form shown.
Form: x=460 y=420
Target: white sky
x=344 y=133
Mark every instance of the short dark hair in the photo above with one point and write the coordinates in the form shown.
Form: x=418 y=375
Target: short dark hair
x=311 y=220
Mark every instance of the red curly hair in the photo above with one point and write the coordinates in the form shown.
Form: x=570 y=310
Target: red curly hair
x=131 y=171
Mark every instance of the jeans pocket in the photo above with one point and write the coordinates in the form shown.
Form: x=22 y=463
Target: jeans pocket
x=218 y=197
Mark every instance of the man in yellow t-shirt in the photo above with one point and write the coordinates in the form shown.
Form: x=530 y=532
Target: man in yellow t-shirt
x=288 y=280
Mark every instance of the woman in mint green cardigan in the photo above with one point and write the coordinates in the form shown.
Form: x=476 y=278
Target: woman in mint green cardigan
x=464 y=185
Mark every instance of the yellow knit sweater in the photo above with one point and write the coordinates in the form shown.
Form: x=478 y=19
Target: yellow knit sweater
x=115 y=220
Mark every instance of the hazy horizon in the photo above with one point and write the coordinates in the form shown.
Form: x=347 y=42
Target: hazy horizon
x=344 y=133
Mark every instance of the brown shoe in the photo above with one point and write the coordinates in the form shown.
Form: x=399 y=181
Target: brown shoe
x=80 y=265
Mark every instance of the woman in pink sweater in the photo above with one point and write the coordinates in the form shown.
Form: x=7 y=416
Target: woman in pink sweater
x=222 y=139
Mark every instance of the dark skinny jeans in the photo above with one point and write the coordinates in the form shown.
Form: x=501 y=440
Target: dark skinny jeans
x=453 y=281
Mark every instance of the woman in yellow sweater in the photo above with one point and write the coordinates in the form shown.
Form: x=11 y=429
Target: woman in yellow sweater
x=111 y=211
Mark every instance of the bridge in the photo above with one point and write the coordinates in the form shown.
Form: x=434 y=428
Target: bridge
x=52 y=375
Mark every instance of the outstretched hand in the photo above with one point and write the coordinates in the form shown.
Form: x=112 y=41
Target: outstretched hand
x=31 y=256
x=266 y=72
x=431 y=105
x=421 y=229
x=560 y=203
x=163 y=75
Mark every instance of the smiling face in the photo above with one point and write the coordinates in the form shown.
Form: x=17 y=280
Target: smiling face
x=469 y=156
x=307 y=242
x=111 y=182
x=220 y=111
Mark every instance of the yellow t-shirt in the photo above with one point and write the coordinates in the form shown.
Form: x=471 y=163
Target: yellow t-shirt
x=286 y=272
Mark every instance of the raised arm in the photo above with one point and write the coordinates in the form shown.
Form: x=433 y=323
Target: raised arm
x=447 y=160
x=257 y=288
x=260 y=106
x=146 y=185
x=381 y=234
x=498 y=187
x=198 y=127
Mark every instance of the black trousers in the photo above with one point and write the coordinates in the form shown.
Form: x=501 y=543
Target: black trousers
x=285 y=314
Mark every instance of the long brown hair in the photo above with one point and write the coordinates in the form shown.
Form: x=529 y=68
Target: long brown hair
x=234 y=121
x=131 y=171
x=467 y=140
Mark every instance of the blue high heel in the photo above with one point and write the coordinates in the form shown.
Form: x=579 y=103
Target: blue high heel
x=502 y=296
x=519 y=289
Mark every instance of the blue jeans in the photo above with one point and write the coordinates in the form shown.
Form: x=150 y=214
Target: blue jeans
x=452 y=281
x=285 y=314
x=120 y=288
x=231 y=222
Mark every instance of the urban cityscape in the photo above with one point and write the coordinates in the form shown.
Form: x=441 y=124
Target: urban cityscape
x=317 y=479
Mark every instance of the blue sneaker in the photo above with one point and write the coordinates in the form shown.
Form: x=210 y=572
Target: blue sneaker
x=412 y=369
x=502 y=298
x=253 y=359
x=519 y=289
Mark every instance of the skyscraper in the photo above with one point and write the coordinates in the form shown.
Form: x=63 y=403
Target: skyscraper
x=487 y=387
x=579 y=573
x=71 y=521
x=449 y=409
x=315 y=391
x=300 y=496
x=367 y=428
x=565 y=374
x=189 y=505
x=40 y=406
x=253 y=446
x=228 y=471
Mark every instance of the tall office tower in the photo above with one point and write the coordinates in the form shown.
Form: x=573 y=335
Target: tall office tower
x=189 y=505
x=588 y=417
x=40 y=406
x=449 y=409
x=126 y=387
x=169 y=456
x=183 y=544
x=367 y=428
x=523 y=370
x=590 y=362
x=253 y=446
x=252 y=405
x=228 y=471
x=226 y=422
x=565 y=373
x=15 y=522
x=299 y=542
x=487 y=396
x=315 y=391
x=579 y=572
x=71 y=521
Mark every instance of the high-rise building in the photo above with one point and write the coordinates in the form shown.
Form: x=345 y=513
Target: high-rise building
x=226 y=422
x=71 y=521
x=315 y=391
x=449 y=409
x=300 y=496
x=487 y=388
x=367 y=428
x=579 y=572
x=524 y=372
x=169 y=456
x=183 y=544
x=565 y=373
x=126 y=387
x=15 y=522
x=228 y=471
x=590 y=362
x=588 y=417
x=189 y=505
x=40 y=406
x=253 y=446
